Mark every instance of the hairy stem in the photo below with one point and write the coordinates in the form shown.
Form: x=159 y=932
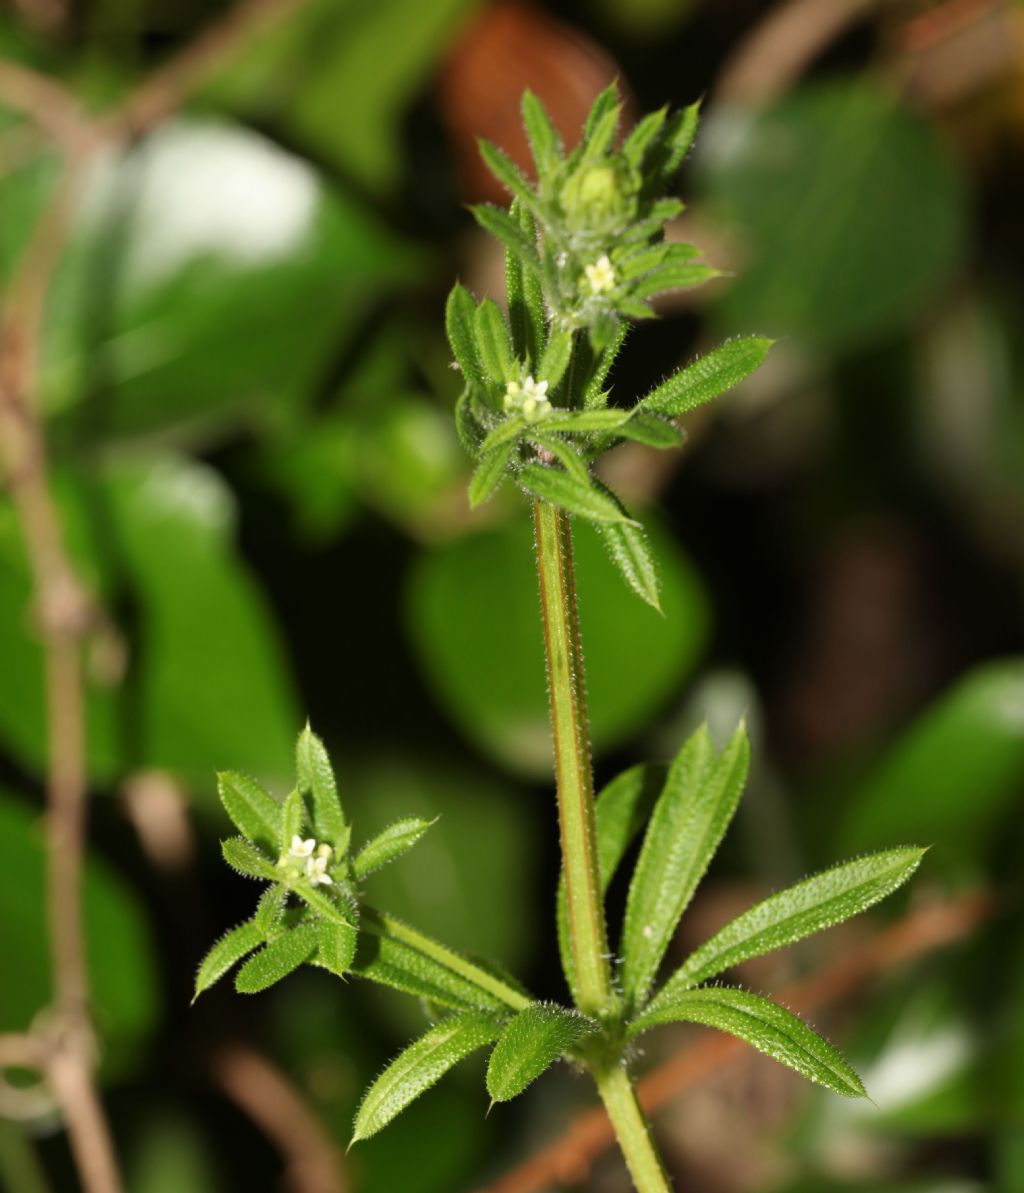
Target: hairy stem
x=567 y=692
x=631 y=1129
x=381 y=924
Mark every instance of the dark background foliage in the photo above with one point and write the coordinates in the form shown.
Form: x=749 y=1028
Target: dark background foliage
x=249 y=403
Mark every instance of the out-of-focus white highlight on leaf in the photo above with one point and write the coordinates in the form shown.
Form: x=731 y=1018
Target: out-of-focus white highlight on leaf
x=208 y=189
x=913 y=1065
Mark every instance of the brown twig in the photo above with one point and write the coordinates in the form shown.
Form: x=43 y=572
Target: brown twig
x=313 y=1163
x=568 y=1159
x=64 y=1049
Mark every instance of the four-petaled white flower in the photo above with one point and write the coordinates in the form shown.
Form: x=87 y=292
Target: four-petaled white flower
x=300 y=848
x=530 y=399
x=600 y=275
x=316 y=867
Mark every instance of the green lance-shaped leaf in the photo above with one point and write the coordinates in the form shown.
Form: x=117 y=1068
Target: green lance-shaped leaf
x=642 y=136
x=255 y=811
x=602 y=123
x=243 y=856
x=504 y=433
x=506 y=172
x=277 y=959
x=594 y=395
x=490 y=472
x=565 y=491
x=567 y=456
x=545 y=143
x=420 y=1066
x=764 y=1024
x=293 y=818
x=316 y=778
x=689 y=821
x=622 y=809
x=668 y=150
x=336 y=946
x=628 y=549
x=460 y=324
x=228 y=951
x=531 y=1044
x=338 y=907
x=270 y=911
x=711 y=375
x=523 y=289
x=801 y=910
x=468 y=428
x=555 y=358
x=652 y=430
x=507 y=228
x=586 y=421
x=492 y=342
x=674 y=276
x=396 y=839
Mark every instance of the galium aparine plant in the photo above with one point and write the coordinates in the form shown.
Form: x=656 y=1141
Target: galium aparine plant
x=585 y=253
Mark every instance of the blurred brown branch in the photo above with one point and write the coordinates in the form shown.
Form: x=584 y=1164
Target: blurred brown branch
x=569 y=1158
x=313 y=1163
x=63 y=1046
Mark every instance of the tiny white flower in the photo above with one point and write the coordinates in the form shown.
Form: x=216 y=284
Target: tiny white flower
x=600 y=275
x=537 y=390
x=316 y=869
x=300 y=848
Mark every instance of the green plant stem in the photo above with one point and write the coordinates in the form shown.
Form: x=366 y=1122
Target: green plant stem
x=573 y=773
x=631 y=1130
x=381 y=924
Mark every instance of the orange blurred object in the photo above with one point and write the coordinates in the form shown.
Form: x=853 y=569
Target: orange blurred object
x=506 y=50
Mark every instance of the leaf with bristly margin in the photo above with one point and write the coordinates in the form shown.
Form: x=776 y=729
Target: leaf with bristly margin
x=505 y=432
x=628 y=549
x=270 y=910
x=689 y=821
x=228 y=951
x=509 y=231
x=545 y=143
x=810 y=906
x=566 y=455
x=316 y=777
x=643 y=134
x=594 y=395
x=559 y=488
x=460 y=324
x=555 y=358
x=524 y=293
x=336 y=946
x=492 y=342
x=602 y=123
x=243 y=856
x=711 y=375
x=651 y=430
x=506 y=171
x=255 y=811
x=530 y=1044
x=771 y=1029
x=396 y=839
x=383 y=958
x=583 y=421
x=667 y=153
x=468 y=429
x=673 y=276
x=339 y=907
x=422 y=1064
x=293 y=818
x=490 y=472
x=622 y=809
x=277 y=960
